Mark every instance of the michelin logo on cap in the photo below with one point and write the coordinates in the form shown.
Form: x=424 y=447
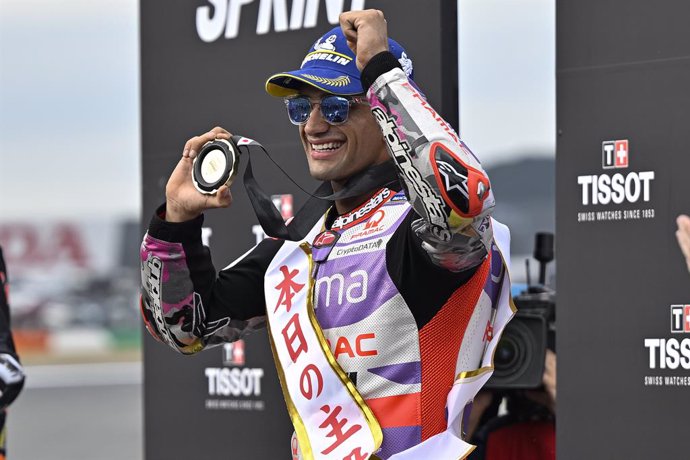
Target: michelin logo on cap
x=327 y=43
x=326 y=51
x=406 y=64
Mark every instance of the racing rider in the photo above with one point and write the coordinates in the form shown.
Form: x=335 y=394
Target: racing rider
x=383 y=318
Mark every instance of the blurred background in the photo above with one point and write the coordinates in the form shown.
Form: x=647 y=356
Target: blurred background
x=70 y=195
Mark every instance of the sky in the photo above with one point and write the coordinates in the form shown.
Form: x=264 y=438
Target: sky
x=69 y=95
x=69 y=118
x=507 y=60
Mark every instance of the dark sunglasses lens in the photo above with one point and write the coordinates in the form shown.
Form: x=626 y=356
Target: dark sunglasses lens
x=335 y=109
x=298 y=109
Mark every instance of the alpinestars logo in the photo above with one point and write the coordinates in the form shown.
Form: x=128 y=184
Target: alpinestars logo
x=617 y=188
x=671 y=353
x=447 y=171
x=401 y=151
x=223 y=17
x=358 y=214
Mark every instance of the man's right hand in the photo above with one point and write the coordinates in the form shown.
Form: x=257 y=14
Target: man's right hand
x=183 y=201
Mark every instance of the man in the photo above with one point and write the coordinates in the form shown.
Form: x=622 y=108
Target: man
x=11 y=372
x=394 y=292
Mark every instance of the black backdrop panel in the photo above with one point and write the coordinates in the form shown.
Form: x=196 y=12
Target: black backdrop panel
x=188 y=86
x=623 y=73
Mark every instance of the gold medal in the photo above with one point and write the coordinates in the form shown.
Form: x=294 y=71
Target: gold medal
x=215 y=166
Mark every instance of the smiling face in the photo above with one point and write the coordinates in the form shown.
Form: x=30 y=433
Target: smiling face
x=335 y=153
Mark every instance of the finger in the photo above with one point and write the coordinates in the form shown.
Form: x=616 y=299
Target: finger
x=221 y=133
x=349 y=31
x=197 y=142
x=186 y=149
x=684 y=242
x=352 y=45
x=184 y=165
x=683 y=222
x=347 y=24
x=222 y=198
x=550 y=360
x=549 y=380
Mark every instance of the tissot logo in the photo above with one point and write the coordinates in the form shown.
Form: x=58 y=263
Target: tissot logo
x=222 y=17
x=233 y=353
x=234 y=382
x=671 y=353
x=680 y=319
x=616 y=188
x=619 y=188
x=614 y=154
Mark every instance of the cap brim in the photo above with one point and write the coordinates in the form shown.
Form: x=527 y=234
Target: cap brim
x=288 y=83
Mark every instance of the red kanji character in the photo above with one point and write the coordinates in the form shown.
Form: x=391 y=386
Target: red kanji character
x=356 y=454
x=336 y=428
x=294 y=335
x=306 y=384
x=489 y=331
x=288 y=288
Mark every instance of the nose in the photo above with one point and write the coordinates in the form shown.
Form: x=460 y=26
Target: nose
x=316 y=124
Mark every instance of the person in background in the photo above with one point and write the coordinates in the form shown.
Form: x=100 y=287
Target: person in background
x=11 y=371
x=527 y=431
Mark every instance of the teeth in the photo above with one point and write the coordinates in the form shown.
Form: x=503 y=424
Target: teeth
x=327 y=146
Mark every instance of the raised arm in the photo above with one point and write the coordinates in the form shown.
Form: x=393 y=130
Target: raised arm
x=443 y=179
x=183 y=303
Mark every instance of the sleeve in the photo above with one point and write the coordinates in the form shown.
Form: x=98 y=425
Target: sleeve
x=443 y=180
x=11 y=370
x=183 y=303
x=6 y=340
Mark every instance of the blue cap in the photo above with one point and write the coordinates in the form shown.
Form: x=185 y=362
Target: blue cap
x=330 y=66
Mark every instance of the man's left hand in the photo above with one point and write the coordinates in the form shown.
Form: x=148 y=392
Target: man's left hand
x=366 y=33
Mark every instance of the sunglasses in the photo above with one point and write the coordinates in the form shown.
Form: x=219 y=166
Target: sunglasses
x=334 y=109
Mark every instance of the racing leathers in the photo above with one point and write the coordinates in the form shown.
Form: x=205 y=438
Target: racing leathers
x=11 y=371
x=406 y=285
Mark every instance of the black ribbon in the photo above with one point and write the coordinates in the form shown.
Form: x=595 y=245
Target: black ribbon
x=369 y=180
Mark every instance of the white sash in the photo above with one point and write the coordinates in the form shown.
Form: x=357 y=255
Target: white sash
x=331 y=419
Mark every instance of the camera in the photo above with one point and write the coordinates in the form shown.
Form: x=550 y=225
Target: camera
x=519 y=356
